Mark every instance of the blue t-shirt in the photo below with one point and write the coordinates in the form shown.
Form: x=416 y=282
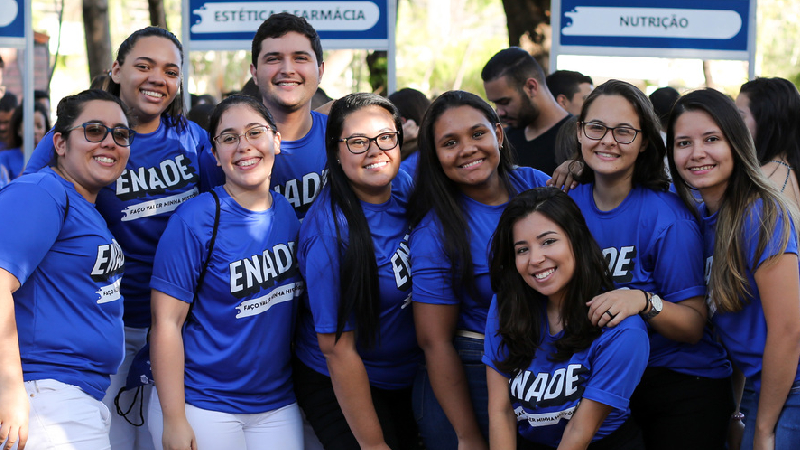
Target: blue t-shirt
x=11 y=162
x=68 y=308
x=431 y=268
x=544 y=396
x=652 y=242
x=237 y=340
x=166 y=168
x=744 y=333
x=410 y=164
x=300 y=166
x=392 y=361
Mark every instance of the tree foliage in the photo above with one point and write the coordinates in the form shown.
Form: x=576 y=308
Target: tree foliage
x=529 y=26
x=777 y=52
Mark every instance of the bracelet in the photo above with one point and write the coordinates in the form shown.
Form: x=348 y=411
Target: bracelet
x=737 y=416
x=646 y=302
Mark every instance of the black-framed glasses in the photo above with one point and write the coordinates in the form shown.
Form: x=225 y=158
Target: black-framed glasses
x=360 y=144
x=96 y=132
x=597 y=131
x=254 y=136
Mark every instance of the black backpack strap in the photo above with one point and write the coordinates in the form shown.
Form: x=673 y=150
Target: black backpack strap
x=211 y=243
x=66 y=208
x=139 y=394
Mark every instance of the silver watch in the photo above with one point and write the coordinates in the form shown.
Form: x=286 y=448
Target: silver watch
x=656 y=305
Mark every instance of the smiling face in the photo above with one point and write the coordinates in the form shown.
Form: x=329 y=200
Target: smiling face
x=149 y=79
x=468 y=147
x=607 y=157
x=544 y=255
x=703 y=155
x=288 y=72
x=370 y=173
x=92 y=165
x=743 y=104
x=247 y=161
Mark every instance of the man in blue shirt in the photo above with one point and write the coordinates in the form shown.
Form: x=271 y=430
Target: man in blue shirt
x=287 y=67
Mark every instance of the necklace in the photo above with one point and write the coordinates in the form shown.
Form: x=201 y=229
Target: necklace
x=788 y=171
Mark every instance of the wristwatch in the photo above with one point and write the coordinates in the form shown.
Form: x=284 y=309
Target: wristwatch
x=656 y=305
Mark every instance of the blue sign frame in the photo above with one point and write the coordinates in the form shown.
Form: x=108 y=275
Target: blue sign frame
x=230 y=25
x=709 y=29
x=12 y=35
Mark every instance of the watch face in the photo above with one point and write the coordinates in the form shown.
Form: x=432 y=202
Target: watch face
x=657 y=304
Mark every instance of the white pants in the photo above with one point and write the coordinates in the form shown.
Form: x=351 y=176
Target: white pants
x=280 y=429
x=63 y=417
x=123 y=435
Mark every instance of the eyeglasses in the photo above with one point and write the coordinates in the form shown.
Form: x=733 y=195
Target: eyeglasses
x=254 y=136
x=96 y=132
x=360 y=144
x=596 y=132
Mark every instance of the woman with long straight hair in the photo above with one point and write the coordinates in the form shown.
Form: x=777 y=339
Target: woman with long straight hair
x=750 y=250
x=170 y=162
x=554 y=377
x=355 y=345
x=652 y=243
x=465 y=177
x=770 y=108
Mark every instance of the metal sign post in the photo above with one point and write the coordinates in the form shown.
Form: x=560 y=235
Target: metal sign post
x=16 y=31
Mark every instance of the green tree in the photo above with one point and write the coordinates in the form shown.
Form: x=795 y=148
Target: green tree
x=778 y=31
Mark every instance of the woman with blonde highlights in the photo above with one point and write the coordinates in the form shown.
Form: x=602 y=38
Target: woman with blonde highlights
x=750 y=246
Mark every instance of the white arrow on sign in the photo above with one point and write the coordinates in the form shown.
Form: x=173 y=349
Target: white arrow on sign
x=8 y=12
x=653 y=22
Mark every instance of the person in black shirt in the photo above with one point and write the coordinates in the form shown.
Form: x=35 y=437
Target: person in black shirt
x=515 y=83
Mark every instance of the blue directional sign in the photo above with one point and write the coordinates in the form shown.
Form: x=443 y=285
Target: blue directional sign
x=228 y=25
x=12 y=23
x=711 y=29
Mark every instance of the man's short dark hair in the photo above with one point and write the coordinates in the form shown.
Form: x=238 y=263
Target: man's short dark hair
x=277 y=25
x=2 y=64
x=566 y=82
x=40 y=94
x=8 y=103
x=663 y=99
x=516 y=64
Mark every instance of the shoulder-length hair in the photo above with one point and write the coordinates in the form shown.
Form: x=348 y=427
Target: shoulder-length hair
x=435 y=191
x=649 y=171
x=358 y=268
x=15 y=132
x=775 y=106
x=521 y=308
x=728 y=283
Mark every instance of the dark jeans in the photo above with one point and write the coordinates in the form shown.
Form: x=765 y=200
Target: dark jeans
x=315 y=395
x=678 y=411
x=436 y=430
x=787 y=430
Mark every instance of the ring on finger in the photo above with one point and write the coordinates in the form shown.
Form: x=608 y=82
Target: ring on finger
x=609 y=314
